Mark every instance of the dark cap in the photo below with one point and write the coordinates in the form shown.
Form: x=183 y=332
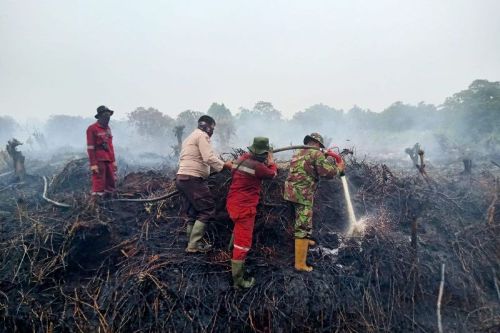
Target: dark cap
x=102 y=109
x=315 y=137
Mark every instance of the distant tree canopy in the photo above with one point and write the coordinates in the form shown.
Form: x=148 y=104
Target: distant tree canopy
x=188 y=119
x=150 y=122
x=225 y=124
x=220 y=113
x=359 y=119
x=261 y=111
x=8 y=127
x=470 y=117
x=475 y=112
x=317 y=115
x=63 y=130
x=401 y=117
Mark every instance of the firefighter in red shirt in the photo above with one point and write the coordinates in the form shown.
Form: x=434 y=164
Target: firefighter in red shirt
x=247 y=175
x=101 y=154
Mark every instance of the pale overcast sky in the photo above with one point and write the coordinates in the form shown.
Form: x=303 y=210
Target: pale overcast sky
x=65 y=56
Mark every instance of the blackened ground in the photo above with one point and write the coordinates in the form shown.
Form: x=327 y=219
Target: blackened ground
x=123 y=267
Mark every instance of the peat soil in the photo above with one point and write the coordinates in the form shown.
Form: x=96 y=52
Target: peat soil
x=121 y=266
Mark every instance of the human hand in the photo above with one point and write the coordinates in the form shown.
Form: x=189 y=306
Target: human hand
x=94 y=169
x=341 y=167
x=115 y=167
x=270 y=158
x=228 y=165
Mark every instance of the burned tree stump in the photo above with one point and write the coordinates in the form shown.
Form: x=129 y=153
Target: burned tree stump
x=467 y=161
x=492 y=212
x=467 y=166
x=17 y=158
x=417 y=156
x=178 y=131
x=413 y=153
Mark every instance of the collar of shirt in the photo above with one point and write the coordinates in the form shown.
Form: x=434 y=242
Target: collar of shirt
x=97 y=123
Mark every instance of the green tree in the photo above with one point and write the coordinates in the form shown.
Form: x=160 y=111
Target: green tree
x=261 y=111
x=151 y=123
x=318 y=117
x=402 y=117
x=225 y=124
x=188 y=119
x=475 y=112
x=360 y=119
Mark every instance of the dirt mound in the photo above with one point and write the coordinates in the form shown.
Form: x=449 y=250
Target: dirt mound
x=74 y=178
x=140 y=182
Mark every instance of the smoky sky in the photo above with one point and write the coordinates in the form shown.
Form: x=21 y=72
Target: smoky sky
x=68 y=57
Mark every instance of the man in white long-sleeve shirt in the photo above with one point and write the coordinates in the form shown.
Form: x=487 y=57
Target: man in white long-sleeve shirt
x=197 y=160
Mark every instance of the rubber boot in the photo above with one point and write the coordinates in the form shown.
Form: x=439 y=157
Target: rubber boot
x=105 y=202
x=95 y=202
x=238 y=270
x=231 y=243
x=195 y=245
x=301 y=247
x=189 y=228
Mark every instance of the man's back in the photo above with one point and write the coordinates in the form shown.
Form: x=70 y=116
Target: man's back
x=306 y=166
x=247 y=178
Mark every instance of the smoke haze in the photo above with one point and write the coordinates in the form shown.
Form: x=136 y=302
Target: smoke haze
x=281 y=69
x=67 y=57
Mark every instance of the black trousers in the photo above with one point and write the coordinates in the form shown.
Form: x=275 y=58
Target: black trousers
x=197 y=200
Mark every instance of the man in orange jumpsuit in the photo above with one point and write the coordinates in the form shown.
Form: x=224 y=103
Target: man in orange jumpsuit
x=244 y=193
x=101 y=154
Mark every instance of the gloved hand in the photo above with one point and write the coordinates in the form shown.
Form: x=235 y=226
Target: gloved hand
x=334 y=155
x=270 y=158
x=94 y=169
x=341 y=167
x=228 y=165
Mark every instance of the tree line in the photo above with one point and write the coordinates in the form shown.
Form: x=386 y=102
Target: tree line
x=470 y=117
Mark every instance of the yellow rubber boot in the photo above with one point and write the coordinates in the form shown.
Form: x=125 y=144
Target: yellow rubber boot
x=301 y=247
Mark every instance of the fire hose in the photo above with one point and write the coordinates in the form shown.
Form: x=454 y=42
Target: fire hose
x=44 y=195
x=329 y=152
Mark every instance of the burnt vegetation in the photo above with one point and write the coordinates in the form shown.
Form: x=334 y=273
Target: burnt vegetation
x=121 y=266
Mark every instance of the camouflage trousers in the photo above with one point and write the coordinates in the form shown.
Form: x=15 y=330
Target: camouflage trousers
x=303 y=220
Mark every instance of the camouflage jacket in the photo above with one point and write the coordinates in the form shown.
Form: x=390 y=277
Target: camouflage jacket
x=306 y=167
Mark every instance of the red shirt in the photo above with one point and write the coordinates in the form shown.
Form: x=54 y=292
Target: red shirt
x=247 y=178
x=100 y=144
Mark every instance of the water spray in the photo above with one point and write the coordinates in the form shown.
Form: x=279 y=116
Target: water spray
x=350 y=208
x=356 y=227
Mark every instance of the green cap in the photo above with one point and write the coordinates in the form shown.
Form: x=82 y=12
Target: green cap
x=316 y=137
x=260 y=145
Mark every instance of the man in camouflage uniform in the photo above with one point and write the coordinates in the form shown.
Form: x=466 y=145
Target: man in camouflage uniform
x=306 y=168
